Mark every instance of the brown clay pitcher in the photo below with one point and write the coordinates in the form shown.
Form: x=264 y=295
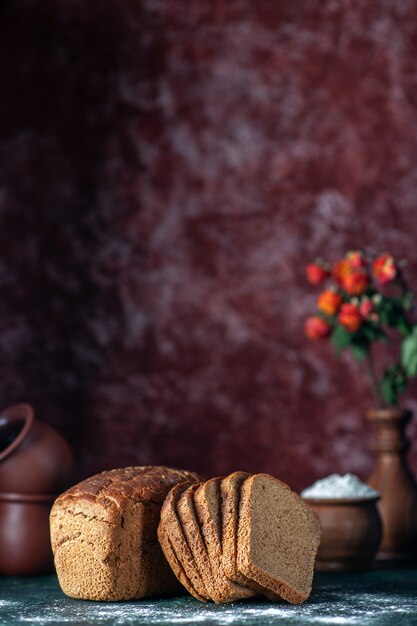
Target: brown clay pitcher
x=34 y=458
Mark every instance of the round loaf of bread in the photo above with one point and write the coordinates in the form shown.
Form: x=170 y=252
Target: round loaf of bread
x=104 y=534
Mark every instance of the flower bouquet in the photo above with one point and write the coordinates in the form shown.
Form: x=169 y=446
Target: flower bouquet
x=366 y=300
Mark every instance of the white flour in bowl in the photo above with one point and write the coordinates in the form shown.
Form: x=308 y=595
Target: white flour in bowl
x=338 y=486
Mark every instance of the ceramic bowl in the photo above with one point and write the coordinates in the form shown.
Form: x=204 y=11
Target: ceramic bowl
x=24 y=534
x=34 y=458
x=351 y=532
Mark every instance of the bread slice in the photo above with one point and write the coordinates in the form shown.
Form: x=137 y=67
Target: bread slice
x=230 y=496
x=176 y=565
x=191 y=529
x=278 y=537
x=207 y=502
x=173 y=542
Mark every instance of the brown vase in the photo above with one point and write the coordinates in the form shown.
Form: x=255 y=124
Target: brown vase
x=34 y=457
x=398 y=489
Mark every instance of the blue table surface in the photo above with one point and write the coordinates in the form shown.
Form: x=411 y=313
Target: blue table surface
x=374 y=597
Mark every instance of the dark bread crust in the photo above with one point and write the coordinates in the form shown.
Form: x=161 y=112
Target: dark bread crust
x=147 y=483
x=192 y=531
x=170 y=529
x=175 y=564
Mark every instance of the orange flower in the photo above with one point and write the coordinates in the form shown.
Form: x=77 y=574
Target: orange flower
x=350 y=317
x=385 y=269
x=317 y=328
x=316 y=274
x=355 y=283
x=329 y=302
x=350 y=275
x=341 y=269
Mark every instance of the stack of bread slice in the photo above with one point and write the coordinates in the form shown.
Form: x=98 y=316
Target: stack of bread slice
x=231 y=538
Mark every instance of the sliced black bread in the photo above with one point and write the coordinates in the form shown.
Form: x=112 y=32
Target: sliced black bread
x=192 y=532
x=176 y=566
x=207 y=503
x=278 y=537
x=175 y=546
x=230 y=496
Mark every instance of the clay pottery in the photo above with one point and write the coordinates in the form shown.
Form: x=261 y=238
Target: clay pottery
x=392 y=478
x=34 y=458
x=351 y=532
x=24 y=534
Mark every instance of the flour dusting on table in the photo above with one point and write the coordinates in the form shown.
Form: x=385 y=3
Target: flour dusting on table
x=374 y=598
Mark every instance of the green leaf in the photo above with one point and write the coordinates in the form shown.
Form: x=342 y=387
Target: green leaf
x=358 y=351
x=409 y=353
x=403 y=326
x=358 y=343
x=393 y=384
x=407 y=301
x=388 y=310
x=341 y=339
x=372 y=332
x=391 y=313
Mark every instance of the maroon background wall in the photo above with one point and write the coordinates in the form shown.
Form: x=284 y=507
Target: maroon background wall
x=168 y=168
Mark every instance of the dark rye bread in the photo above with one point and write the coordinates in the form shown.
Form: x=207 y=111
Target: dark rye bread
x=278 y=537
x=192 y=532
x=104 y=534
x=176 y=565
x=207 y=502
x=230 y=497
x=170 y=529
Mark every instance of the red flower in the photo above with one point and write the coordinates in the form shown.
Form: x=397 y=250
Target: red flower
x=329 y=302
x=316 y=273
x=317 y=328
x=355 y=283
x=356 y=259
x=367 y=309
x=385 y=269
x=350 y=317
